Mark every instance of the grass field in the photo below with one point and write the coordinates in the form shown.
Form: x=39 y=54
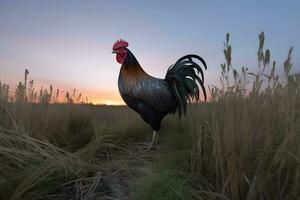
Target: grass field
x=242 y=144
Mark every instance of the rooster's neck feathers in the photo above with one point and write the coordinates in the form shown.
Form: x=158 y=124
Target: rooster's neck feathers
x=132 y=74
x=132 y=67
x=130 y=61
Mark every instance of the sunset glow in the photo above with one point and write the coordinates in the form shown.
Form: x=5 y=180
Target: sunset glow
x=68 y=45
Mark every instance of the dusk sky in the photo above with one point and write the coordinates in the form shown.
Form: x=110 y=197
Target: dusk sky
x=68 y=43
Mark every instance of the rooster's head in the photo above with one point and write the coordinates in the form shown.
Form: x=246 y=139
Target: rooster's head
x=120 y=48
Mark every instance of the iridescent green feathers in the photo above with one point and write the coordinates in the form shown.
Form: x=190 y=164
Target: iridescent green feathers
x=184 y=80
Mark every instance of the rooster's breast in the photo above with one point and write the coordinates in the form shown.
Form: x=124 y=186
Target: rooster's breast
x=147 y=90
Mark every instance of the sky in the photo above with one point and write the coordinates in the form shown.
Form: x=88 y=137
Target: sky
x=68 y=44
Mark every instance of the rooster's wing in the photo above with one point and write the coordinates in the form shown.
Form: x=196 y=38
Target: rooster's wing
x=156 y=93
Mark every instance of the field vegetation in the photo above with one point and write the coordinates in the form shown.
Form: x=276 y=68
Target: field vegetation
x=244 y=143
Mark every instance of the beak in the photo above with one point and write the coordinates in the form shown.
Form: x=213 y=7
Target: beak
x=114 y=52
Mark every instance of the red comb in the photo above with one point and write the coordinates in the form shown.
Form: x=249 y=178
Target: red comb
x=120 y=43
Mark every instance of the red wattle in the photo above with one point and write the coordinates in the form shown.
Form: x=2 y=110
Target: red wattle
x=121 y=57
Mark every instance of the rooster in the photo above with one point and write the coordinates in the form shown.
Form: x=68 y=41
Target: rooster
x=154 y=98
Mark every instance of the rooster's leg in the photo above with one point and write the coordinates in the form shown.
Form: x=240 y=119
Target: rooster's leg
x=153 y=141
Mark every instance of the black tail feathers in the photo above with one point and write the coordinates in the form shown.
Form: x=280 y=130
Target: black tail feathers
x=183 y=79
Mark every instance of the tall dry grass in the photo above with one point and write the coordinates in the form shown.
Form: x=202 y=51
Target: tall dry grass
x=243 y=144
x=248 y=146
